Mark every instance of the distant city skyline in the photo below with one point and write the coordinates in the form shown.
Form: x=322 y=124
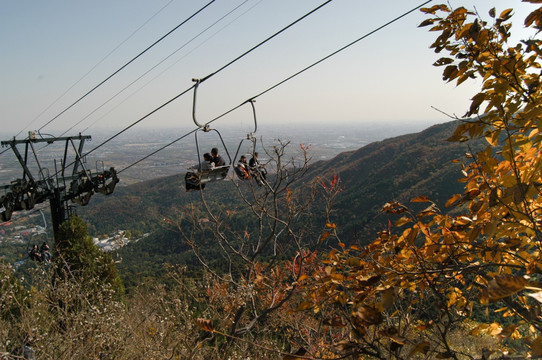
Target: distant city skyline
x=387 y=77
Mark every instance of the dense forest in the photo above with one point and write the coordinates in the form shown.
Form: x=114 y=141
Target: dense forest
x=425 y=246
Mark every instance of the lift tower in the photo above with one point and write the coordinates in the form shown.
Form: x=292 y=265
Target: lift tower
x=71 y=180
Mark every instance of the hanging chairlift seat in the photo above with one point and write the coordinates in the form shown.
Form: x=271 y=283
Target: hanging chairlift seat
x=196 y=180
x=105 y=182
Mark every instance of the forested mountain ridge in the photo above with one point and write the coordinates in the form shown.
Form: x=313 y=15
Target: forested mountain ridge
x=397 y=168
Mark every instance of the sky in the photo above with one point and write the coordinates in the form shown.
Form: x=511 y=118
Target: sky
x=54 y=52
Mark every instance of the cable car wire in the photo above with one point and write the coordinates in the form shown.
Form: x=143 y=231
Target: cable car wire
x=287 y=79
x=157 y=150
x=208 y=77
x=128 y=63
x=94 y=67
x=175 y=63
x=322 y=59
x=154 y=67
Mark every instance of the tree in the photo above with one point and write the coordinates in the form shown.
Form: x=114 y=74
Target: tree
x=78 y=258
x=422 y=283
x=264 y=248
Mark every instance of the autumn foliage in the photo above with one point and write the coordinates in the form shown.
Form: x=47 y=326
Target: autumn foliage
x=473 y=268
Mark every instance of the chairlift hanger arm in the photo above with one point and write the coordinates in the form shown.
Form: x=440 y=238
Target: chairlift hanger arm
x=252 y=101
x=197 y=81
x=205 y=126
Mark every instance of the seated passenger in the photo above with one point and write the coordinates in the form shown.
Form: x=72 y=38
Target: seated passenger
x=217 y=159
x=258 y=170
x=45 y=253
x=207 y=163
x=242 y=168
x=192 y=178
x=35 y=254
x=192 y=181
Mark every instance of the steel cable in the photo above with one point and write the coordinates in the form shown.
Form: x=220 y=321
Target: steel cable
x=128 y=63
x=288 y=78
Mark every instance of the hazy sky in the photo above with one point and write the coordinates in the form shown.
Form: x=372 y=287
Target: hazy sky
x=49 y=47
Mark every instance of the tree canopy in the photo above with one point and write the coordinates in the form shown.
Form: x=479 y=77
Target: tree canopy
x=433 y=272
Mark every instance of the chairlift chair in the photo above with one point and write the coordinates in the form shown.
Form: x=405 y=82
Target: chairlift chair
x=196 y=178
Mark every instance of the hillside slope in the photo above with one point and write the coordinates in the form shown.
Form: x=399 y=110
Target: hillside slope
x=398 y=168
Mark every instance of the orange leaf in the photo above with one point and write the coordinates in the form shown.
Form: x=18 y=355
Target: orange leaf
x=205 y=324
x=402 y=221
x=334 y=321
x=421 y=198
x=304 y=306
x=324 y=236
x=452 y=200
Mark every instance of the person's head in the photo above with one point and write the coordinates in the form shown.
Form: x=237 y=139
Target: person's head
x=255 y=154
x=214 y=151
x=207 y=157
x=243 y=159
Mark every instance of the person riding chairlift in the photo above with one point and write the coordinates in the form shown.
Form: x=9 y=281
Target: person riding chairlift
x=242 y=168
x=217 y=159
x=192 y=177
x=35 y=254
x=45 y=253
x=257 y=170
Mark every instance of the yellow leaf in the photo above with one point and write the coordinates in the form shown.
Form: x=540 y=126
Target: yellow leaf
x=388 y=297
x=402 y=221
x=422 y=347
x=494 y=329
x=304 y=306
x=506 y=14
x=537 y=296
x=476 y=331
x=508 y=331
x=492 y=137
x=453 y=199
x=366 y=315
x=532 y=17
x=288 y=195
x=427 y=22
x=477 y=100
x=503 y=286
x=536 y=346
